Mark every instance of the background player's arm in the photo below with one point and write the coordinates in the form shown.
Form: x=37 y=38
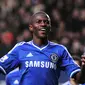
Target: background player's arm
x=80 y=76
x=77 y=72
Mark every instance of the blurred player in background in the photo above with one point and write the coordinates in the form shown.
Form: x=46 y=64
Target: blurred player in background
x=13 y=77
x=77 y=59
x=70 y=81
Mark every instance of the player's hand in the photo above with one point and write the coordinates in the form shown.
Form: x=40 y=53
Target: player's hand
x=83 y=59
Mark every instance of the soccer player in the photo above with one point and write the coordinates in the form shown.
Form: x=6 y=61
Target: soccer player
x=71 y=81
x=77 y=59
x=13 y=77
x=40 y=60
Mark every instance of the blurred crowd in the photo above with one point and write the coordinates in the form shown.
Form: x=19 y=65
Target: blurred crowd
x=67 y=17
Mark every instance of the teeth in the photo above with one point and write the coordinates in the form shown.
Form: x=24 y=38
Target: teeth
x=43 y=29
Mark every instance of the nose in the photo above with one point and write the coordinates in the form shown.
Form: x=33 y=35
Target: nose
x=43 y=23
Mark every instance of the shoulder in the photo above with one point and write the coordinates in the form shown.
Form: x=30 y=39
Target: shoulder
x=17 y=46
x=20 y=43
x=24 y=43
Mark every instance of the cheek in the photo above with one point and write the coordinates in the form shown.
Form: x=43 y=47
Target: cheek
x=35 y=28
x=35 y=31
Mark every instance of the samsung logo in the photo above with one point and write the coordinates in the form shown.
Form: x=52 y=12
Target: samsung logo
x=41 y=64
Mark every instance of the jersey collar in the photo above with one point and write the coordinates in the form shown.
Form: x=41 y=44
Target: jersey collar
x=40 y=48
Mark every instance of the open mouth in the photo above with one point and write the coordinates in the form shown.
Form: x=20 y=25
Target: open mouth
x=43 y=29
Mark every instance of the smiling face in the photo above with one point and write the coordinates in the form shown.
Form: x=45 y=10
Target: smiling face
x=40 y=25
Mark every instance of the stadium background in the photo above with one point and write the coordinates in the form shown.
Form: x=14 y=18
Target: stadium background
x=68 y=23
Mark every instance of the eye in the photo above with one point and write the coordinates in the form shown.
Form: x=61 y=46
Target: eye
x=38 y=21
x=44 y=21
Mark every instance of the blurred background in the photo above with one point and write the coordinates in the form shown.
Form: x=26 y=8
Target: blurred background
x=67 y=17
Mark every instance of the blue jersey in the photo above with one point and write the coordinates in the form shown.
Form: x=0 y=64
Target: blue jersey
x=13 y=78
x=39 y=65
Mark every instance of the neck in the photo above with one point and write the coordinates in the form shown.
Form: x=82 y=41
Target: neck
x=40 y=42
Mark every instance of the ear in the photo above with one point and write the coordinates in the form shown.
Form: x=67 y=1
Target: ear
x=31 y=28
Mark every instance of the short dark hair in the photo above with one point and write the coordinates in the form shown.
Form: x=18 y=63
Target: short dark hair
x=38 y=13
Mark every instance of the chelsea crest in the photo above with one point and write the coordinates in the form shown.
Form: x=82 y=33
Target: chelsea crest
x=54 y=57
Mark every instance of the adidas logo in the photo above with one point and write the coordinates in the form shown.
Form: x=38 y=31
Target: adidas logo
x=29 y=55
x=16 y=82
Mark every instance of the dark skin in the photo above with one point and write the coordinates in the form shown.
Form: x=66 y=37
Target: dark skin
x=40 y=26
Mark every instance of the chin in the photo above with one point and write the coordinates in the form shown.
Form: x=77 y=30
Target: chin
x=43 y=37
